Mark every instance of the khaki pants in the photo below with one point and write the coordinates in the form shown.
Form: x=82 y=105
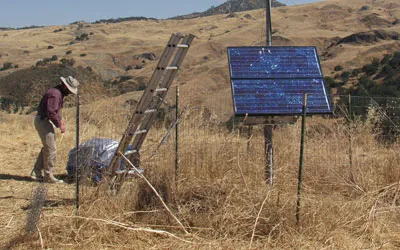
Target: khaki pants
x=46 y=159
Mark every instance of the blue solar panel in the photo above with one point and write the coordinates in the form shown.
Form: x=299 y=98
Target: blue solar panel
x=278 y=96
x=274 y=62
x=272 y=80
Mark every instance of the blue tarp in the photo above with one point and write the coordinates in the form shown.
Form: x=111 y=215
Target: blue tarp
x=96 y=154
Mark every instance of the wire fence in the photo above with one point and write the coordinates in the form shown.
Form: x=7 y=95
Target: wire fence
x=208 y=146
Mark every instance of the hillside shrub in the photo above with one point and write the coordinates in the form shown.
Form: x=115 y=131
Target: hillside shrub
x=54 y=58
x=82 y=37
x=395 y=61
x=67 y=62
x=331 y=83
x=68 y=52
x=141 y=86
x=345 y=76
x=356 y=72
x=83 y=55
x=7 y=65
x=386 y=59
x=373 y=68
x=338 y=68
x=50 y=47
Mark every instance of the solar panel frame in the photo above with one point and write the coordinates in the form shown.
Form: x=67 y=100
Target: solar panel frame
x=310 y=109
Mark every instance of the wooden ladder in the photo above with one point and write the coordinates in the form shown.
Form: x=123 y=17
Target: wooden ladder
x=152 y=98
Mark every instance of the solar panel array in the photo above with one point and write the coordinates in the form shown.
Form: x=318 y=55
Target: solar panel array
x=272 y=80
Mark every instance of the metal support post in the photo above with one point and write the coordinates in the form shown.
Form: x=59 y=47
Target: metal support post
x=303 y=128
x=269 y=23
x=177 y=137
x=269 y=154
x=77 y=155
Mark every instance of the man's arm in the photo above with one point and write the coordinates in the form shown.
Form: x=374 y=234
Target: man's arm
x=53 y=111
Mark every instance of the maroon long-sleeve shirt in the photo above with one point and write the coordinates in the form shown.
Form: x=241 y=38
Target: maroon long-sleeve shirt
x=50 y=106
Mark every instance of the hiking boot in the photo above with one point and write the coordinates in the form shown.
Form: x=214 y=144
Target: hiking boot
x=36 y=175
x=51 y=179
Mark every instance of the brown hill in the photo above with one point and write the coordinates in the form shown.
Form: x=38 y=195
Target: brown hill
x=114 y=51
x=231 y=6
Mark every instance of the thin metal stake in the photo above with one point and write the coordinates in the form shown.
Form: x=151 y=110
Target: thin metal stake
x=303 y=128
x=269 y=157
x=77 y=155
x=177 y=138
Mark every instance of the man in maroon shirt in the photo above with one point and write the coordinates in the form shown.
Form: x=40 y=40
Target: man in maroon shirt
x=48 y=118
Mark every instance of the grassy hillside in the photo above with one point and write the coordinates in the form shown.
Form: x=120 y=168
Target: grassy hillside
x=345 y=33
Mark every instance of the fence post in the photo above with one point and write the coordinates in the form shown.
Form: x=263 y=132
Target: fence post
x=303 y=128
x=351 y=177
x=269 y=157
x=177 y=137
x=77 y=155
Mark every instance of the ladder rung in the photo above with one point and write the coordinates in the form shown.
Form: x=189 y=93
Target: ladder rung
x=182 y=46
x=161 y=90
x=150 y=111
x=139 y=132
x=172 y=68
x=130 y=152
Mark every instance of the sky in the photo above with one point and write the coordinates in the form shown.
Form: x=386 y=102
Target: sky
x=22 y=13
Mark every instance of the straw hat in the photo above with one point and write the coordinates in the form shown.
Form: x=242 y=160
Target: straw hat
x=71 y=83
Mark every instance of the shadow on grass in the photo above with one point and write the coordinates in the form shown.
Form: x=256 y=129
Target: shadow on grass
x=63 y=177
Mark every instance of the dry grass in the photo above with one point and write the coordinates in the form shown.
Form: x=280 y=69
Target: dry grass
x=220 y=195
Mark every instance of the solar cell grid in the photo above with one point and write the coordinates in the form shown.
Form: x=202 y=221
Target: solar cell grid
x=272 y=80
x=274 y=62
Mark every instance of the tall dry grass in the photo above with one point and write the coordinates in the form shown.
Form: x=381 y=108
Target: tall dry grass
x=220 y=195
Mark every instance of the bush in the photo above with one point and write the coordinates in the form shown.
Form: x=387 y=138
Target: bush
x=40 y=63
x=329 y=81
x=68 y=62
x=82 y=37
x=54 y=58
x=68 y=52
x=83 y=54
x=386 y=59
x=371 y=69
x=141 y=86
x=356 y=72
x=345 y=76
x=7 y=65
x=338 y=68
x=395 y=62
x=50 y=47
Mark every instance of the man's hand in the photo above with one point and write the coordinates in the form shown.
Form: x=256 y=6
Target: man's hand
x=62 y=127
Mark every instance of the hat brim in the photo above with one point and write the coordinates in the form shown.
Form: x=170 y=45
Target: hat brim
x=71 y=89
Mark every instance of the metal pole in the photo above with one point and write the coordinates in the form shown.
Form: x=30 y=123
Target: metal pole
x=269 y=23
x=268 y=149
x=268 y=130
x=77 y=155
x=350 y=111
x=350 y=141
x=177 y=137
x=303 y=128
